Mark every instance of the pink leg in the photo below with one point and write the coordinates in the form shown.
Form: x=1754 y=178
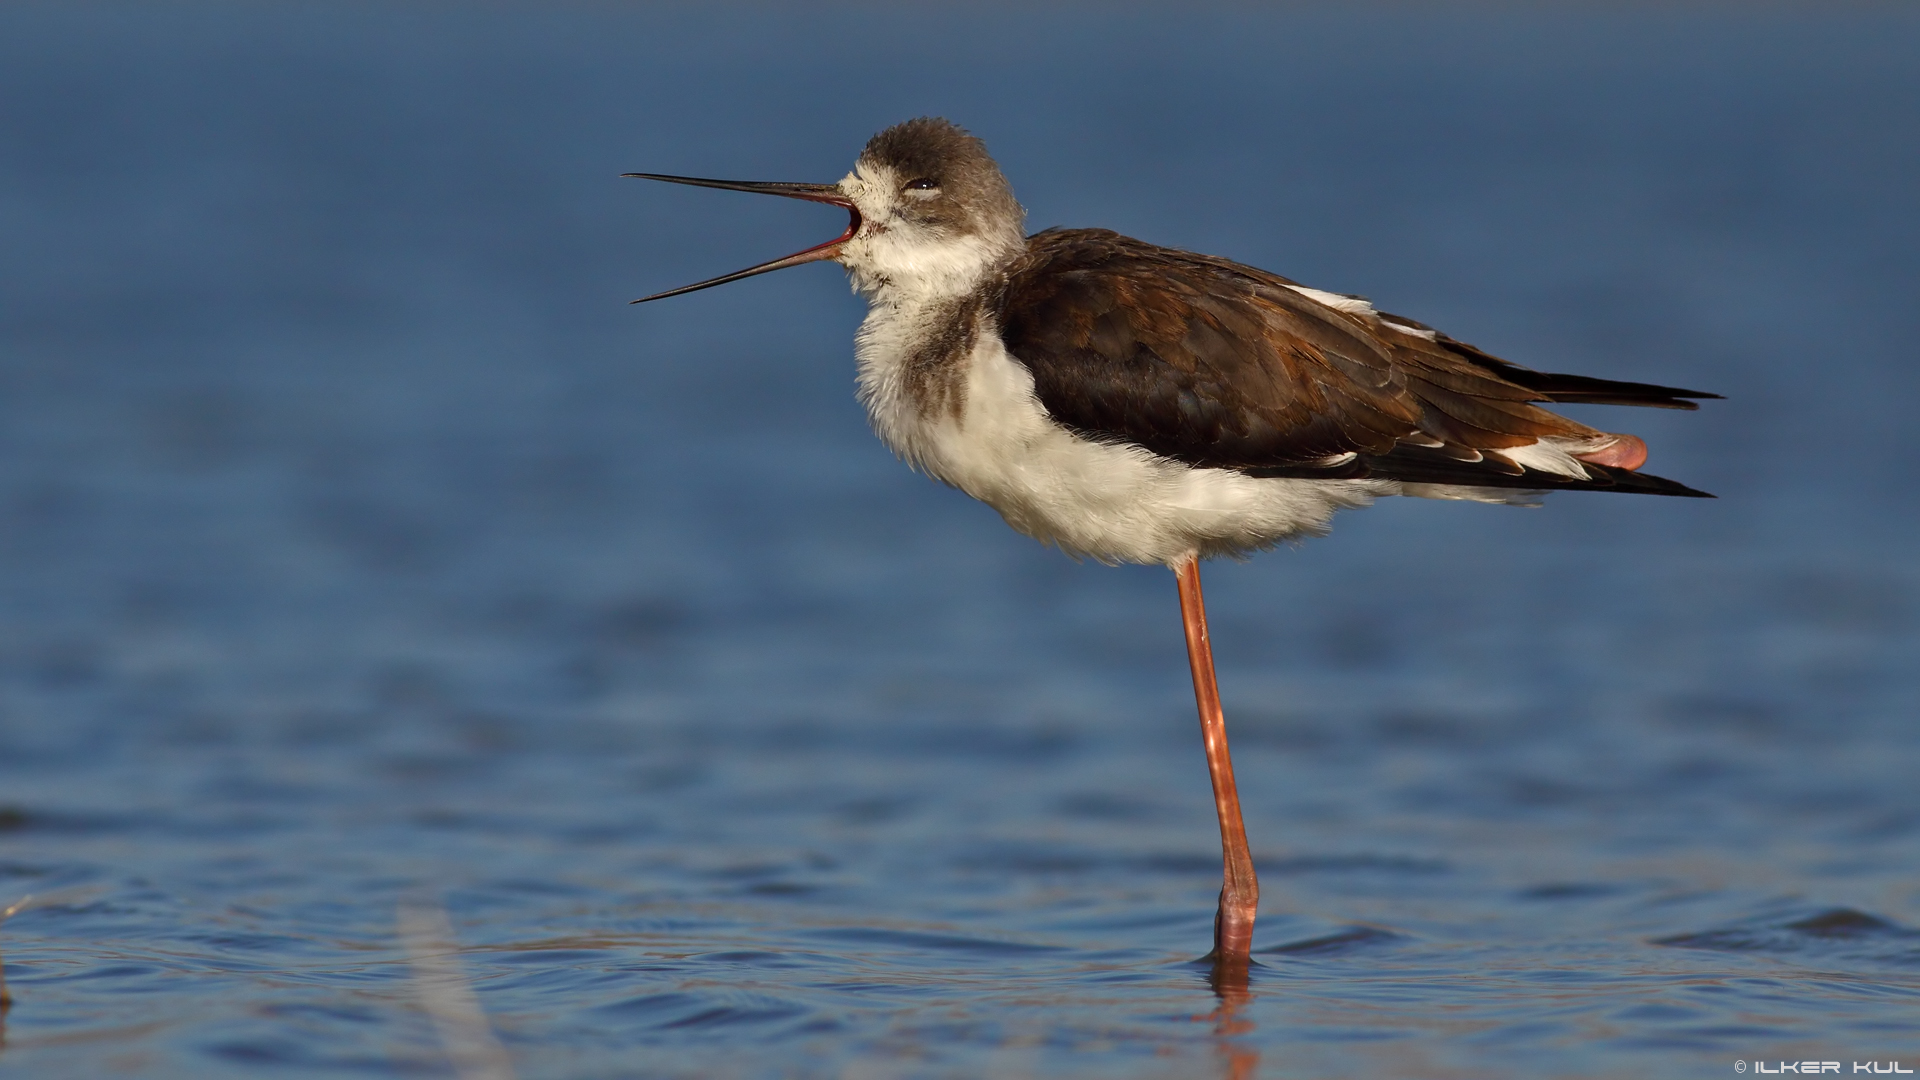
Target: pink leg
x=1240 y=892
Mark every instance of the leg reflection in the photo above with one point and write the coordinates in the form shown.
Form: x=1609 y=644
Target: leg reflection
x=1229 y=978
x=6 y=999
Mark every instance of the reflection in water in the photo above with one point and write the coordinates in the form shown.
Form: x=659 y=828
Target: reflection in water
x=6 y=996
x=1228 y=976
x=441 y=984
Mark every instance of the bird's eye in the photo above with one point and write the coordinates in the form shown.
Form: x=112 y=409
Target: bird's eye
x=923 y=184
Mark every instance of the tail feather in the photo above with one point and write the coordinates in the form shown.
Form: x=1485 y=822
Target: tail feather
x=1586 y=390
x=1427 y=466
x=1577 y=389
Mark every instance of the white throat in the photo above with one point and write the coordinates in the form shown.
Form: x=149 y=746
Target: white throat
x=888 y=268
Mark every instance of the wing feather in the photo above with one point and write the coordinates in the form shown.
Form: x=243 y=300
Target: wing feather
x=1220 y=365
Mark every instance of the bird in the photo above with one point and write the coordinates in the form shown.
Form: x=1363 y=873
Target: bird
x=1132 y=403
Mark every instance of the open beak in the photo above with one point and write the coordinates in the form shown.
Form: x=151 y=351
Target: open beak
x=824 y=193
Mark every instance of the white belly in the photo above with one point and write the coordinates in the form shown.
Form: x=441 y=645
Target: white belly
x=1111 y=502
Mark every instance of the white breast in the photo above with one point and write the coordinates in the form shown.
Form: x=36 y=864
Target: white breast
x=1115 y=503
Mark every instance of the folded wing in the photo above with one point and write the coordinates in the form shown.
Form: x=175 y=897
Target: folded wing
x=1220 y=365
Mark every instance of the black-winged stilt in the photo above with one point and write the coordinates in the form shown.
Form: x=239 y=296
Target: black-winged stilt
x=1136 y=403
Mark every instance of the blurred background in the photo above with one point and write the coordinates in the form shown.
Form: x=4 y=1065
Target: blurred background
x=358 y=542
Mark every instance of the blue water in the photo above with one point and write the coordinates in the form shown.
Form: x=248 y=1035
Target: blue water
x=360 y=547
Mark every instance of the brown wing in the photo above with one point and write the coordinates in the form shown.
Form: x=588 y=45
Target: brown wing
x=1224 y=366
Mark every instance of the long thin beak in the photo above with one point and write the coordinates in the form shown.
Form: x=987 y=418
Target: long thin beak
x=823 y=193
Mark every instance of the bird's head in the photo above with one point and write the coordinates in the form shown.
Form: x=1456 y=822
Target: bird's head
x=929 y=214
